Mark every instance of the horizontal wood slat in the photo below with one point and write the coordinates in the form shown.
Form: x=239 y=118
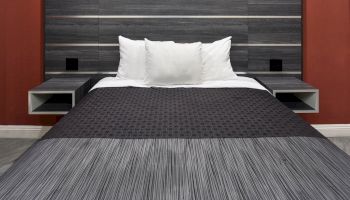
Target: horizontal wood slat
x=88 y=30
x=107 y=58
x=173 y=7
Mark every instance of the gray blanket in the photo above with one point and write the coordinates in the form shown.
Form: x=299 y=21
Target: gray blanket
x=138 y=143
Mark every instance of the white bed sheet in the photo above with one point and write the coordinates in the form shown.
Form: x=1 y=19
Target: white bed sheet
x=239 y=82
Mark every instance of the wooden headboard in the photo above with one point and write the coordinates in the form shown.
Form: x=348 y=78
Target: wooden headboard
x=261 y=30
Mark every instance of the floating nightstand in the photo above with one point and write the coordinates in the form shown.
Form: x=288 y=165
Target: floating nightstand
x=57 y=95
x=297 y=95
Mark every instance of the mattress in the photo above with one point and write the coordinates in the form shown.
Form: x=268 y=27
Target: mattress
x=180 y=143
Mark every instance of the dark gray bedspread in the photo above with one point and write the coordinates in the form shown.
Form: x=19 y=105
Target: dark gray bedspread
x=138 y=143
x=131 y=113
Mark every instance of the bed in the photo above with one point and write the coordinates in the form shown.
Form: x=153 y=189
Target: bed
x=216 y=140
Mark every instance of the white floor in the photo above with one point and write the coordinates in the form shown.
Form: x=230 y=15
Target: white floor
x=11 y=149
x=342 y=142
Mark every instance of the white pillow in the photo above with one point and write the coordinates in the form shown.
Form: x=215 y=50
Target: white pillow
x=170 y=63
x=216 y=60
x=132 y=59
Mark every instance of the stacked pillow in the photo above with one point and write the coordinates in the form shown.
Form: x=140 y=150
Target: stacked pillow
x=170 y=63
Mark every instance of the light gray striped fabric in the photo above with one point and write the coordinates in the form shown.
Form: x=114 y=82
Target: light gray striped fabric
x=230 y=168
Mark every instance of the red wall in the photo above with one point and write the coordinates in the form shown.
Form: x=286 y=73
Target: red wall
x=21 y=59
x=326 y=58
x=2 y=66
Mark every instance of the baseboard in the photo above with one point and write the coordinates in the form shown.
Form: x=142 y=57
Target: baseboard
x=35 y=132
x=333 y=130
x=12 y=131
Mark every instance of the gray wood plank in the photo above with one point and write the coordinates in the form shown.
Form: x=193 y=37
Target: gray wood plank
x=94 y=78
x=61 y=30
x=179 y=30
x=142 y=7
x=266 y=31
x=239 y=58
x=298 y=76
x=62 y=84
x=284 y=83
x=55 y=58
x=107 y=58
x=275 y=7
x=72 y=7
x=274 y=31
x=173 y=7
x=259 y=58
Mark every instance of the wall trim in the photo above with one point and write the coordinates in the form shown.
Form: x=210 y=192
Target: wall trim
x=97 y=44
x=36 y=132
x=173 y=17
x=17 y=131
x=333 y=130
x=114 y=72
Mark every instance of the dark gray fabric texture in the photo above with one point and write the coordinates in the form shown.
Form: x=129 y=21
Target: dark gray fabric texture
x=270 y=168
x=159 y=144
x=180 y=113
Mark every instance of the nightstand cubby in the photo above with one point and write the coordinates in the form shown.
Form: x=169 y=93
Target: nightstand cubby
x=57 y=95
x=297 y=95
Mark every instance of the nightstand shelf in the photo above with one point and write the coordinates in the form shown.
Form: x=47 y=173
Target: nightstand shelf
x=57 y=96
x=293 y=93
